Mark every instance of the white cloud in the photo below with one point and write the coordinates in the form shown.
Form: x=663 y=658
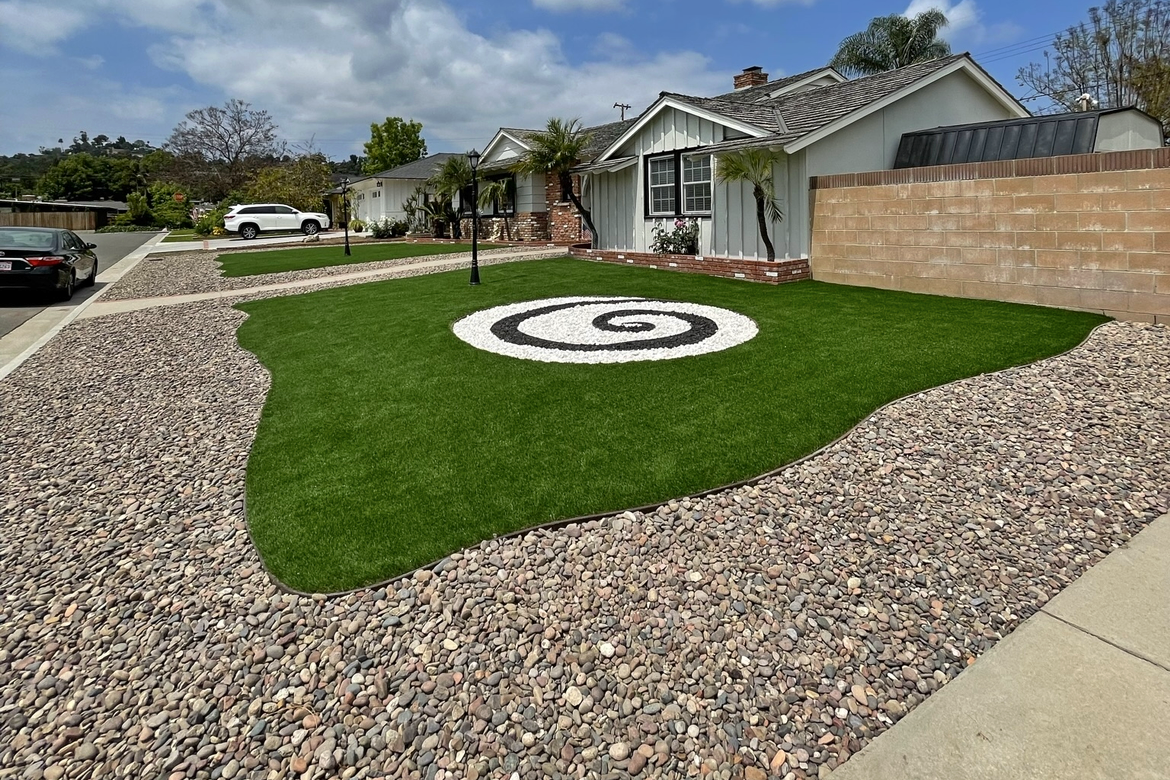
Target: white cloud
x=580 y=5
x=36 y=27
x=965 y=23
x=328 y=68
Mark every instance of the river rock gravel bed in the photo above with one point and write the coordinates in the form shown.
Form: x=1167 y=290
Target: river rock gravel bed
x=187 y=273
x=768 y=631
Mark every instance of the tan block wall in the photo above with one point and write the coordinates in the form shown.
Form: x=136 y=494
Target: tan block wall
x=1096 y=240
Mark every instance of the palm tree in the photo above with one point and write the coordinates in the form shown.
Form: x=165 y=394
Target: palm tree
x=555 y=151
x=497 y=191
x=892 y=42
x=450 y=180
x=754 y=167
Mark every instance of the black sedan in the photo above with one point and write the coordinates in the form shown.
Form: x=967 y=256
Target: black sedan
x=46 y=259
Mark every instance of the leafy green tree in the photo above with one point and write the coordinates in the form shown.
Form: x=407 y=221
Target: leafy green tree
x=755 y=167
x=1116 y=58
x=86 y=177
x=300 y=183
x=1152 y=84
x=393 y=143
x=555 y=151
x=450 y=181
x=170 y=205
x=893 y=41
x=498 y=191
x=139 y=209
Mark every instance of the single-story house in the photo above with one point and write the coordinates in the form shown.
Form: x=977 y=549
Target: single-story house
x=381 y=195
x=662 y=166
x=69 y=214
x=536 y=211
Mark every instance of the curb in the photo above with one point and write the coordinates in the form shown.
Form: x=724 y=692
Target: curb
x=646 y=508
x=107 y=277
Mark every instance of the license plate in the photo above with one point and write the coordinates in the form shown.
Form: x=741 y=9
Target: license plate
x=5 y=265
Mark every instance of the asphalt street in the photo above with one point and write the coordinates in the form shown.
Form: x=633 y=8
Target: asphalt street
x=18 y=306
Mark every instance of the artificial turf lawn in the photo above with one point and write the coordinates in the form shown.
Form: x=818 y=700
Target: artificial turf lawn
x=386 y=442
x=277 y=260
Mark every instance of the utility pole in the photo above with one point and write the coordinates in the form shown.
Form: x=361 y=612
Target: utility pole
x=623 y=107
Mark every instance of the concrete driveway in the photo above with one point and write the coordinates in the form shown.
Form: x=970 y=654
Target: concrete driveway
x=19 y=306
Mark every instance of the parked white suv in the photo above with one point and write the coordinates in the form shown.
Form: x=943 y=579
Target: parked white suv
x=249 y=221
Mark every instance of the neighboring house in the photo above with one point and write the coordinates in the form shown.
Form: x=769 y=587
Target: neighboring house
x=661 y=166
x=536 y=211
x=382 y=194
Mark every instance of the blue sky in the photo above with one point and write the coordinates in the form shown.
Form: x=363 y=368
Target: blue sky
x=326 y=69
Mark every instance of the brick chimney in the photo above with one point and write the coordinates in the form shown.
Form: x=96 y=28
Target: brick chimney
x=751 y=77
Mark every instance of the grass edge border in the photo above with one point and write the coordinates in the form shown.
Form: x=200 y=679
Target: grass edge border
x=554 y=525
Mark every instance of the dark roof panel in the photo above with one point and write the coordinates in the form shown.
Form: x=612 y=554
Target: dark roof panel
x=1007 y=139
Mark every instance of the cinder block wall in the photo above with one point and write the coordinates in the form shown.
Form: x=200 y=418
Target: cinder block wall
x=1083 y=231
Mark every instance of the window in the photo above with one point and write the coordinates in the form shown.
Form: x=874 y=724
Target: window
x=285 y=210
x=678 y=184
x=696 y=184
x=662 y=189
x=506 y=207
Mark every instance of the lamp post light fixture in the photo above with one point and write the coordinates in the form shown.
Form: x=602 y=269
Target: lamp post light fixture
x=345 y=211
x=473 y=160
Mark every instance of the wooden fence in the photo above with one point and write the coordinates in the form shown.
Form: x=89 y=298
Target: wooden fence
x=70 y=220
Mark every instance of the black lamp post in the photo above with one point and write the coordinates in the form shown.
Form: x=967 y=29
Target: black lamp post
x=473 y=160
x=345 y=211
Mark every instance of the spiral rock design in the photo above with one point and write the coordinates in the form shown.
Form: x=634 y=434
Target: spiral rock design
x=604 y=329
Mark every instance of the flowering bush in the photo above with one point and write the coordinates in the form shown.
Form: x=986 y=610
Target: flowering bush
x=682 y=240
x=388 y=228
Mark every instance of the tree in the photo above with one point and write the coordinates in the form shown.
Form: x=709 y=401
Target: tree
x=300 y=183
x=555 y=151
x=354 y=166
x=498 y=191
x=755 y=167
x=451 y=181
x=1114 y=58
x=223 y=146
x=86 y=177
x=891 y=42
x=170 y=205
x=1151 y=81
x=393 y=143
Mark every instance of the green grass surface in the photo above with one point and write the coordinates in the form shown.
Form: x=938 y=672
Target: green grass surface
x=183 y=235
x=386 y=442
x=301 y=258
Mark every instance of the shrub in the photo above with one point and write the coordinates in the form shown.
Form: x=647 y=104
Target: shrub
x=356 y=225
x=387 y=228
x=682 y=240
x=139 y=209
x=210 y=222
x=115 y=228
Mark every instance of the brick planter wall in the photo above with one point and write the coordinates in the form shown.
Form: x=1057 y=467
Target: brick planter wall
x=1081 y=231
x=564 y=223
x=751 y=270
x=527 y=226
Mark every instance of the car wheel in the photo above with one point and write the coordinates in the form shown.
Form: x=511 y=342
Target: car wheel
x=249 y=232
x=66 y=292
x=91 y=280
x=310 y=228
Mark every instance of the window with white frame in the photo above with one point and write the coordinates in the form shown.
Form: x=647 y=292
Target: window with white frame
x=662 y=185
x=696 y=182
x=678 y=184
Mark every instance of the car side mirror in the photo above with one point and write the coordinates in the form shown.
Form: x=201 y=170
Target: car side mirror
x=91 y=246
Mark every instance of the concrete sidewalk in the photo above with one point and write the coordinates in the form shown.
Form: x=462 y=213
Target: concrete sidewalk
x=134 y=304
x=1081 y=690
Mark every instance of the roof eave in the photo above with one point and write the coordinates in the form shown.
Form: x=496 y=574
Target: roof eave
x=669 y=102
x=965 y=64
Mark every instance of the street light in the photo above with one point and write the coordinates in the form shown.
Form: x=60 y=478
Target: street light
x=345 y=211
x=473 y=159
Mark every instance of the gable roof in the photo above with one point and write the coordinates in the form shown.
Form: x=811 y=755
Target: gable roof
x=419 y=169
x=796 y=119
x=764 y=91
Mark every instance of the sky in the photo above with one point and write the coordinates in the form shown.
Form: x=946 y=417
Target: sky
x=326 y=69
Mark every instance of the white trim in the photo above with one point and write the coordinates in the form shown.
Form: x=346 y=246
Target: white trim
x=966 y=65
x=687 y=108
x=500 y=135
x=820 y=74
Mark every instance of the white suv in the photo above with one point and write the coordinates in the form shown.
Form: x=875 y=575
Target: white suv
x=250 y=220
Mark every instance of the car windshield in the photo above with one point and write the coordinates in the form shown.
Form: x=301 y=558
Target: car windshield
x=16 y=238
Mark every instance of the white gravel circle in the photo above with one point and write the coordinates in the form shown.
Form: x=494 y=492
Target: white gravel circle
x=604 y=329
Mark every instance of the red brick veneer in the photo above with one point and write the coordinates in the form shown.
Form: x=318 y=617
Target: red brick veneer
x=751 y=270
